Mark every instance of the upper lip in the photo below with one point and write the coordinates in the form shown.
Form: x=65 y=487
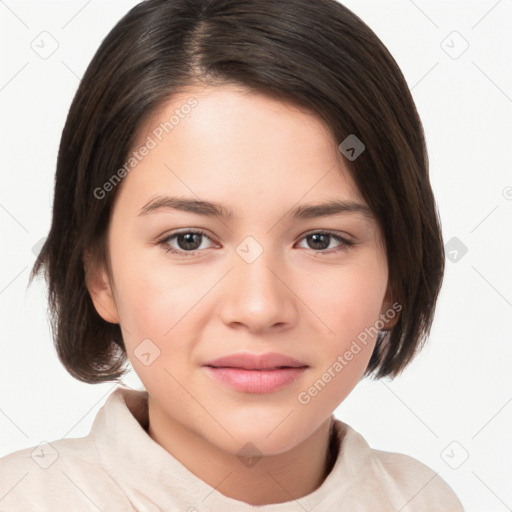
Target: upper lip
x=248 y=361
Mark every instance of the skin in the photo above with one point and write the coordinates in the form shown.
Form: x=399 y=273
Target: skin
x=260 y=158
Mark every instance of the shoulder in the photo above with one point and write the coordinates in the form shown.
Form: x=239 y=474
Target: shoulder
x=427 y=490
x=78 y=473
x=52 y=474
x=395 y=479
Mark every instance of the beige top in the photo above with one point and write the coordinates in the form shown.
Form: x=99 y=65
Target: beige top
x=119 y=467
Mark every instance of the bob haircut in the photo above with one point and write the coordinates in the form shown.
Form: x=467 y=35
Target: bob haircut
x=316 y=55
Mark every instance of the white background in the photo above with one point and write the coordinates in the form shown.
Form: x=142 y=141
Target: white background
x=455 y=399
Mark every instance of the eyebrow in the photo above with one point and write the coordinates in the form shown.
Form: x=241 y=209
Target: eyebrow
x=211 y=209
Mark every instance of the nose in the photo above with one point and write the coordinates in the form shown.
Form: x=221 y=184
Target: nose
x=258 y=295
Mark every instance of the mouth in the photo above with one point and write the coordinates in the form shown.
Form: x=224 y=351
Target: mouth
x=257 y=369
x=247 y=361
x=252 y=373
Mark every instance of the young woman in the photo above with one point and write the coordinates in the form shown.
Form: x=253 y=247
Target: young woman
x=242 y=211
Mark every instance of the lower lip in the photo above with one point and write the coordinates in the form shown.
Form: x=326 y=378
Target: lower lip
x=256 y=381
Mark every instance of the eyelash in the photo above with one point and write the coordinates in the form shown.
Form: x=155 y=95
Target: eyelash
x=344 y=247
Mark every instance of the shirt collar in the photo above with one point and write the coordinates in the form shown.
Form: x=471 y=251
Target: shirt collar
x=145 y=471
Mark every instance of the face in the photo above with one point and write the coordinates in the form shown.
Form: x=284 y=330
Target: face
x=189 y=286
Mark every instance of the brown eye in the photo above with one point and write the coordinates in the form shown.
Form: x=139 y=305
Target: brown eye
x=320 y=241
x=189 y=241
x=185 y=243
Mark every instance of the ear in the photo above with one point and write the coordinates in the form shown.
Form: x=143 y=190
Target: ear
x=100 y=289
x=390 y=311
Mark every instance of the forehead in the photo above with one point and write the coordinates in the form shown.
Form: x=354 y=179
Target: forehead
x=238 y=147
x=232 y=115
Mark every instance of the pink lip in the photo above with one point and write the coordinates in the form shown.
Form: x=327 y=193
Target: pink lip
x=248 y=361
x=252 y=373
x=255 y=381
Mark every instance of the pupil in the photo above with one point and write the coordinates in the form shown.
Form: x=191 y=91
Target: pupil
x=315 y=238
x=189 y=243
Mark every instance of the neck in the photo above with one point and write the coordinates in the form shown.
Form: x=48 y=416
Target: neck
x=272 y=479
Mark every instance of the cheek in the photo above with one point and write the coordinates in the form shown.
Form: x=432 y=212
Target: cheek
x=150 y=296
x=349 y=304
x=348 y=299
x=158 y=320
x=165 y=303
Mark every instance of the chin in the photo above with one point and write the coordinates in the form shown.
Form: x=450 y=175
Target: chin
x=270 y=435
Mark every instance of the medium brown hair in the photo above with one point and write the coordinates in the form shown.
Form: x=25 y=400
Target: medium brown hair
x=314 y=54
